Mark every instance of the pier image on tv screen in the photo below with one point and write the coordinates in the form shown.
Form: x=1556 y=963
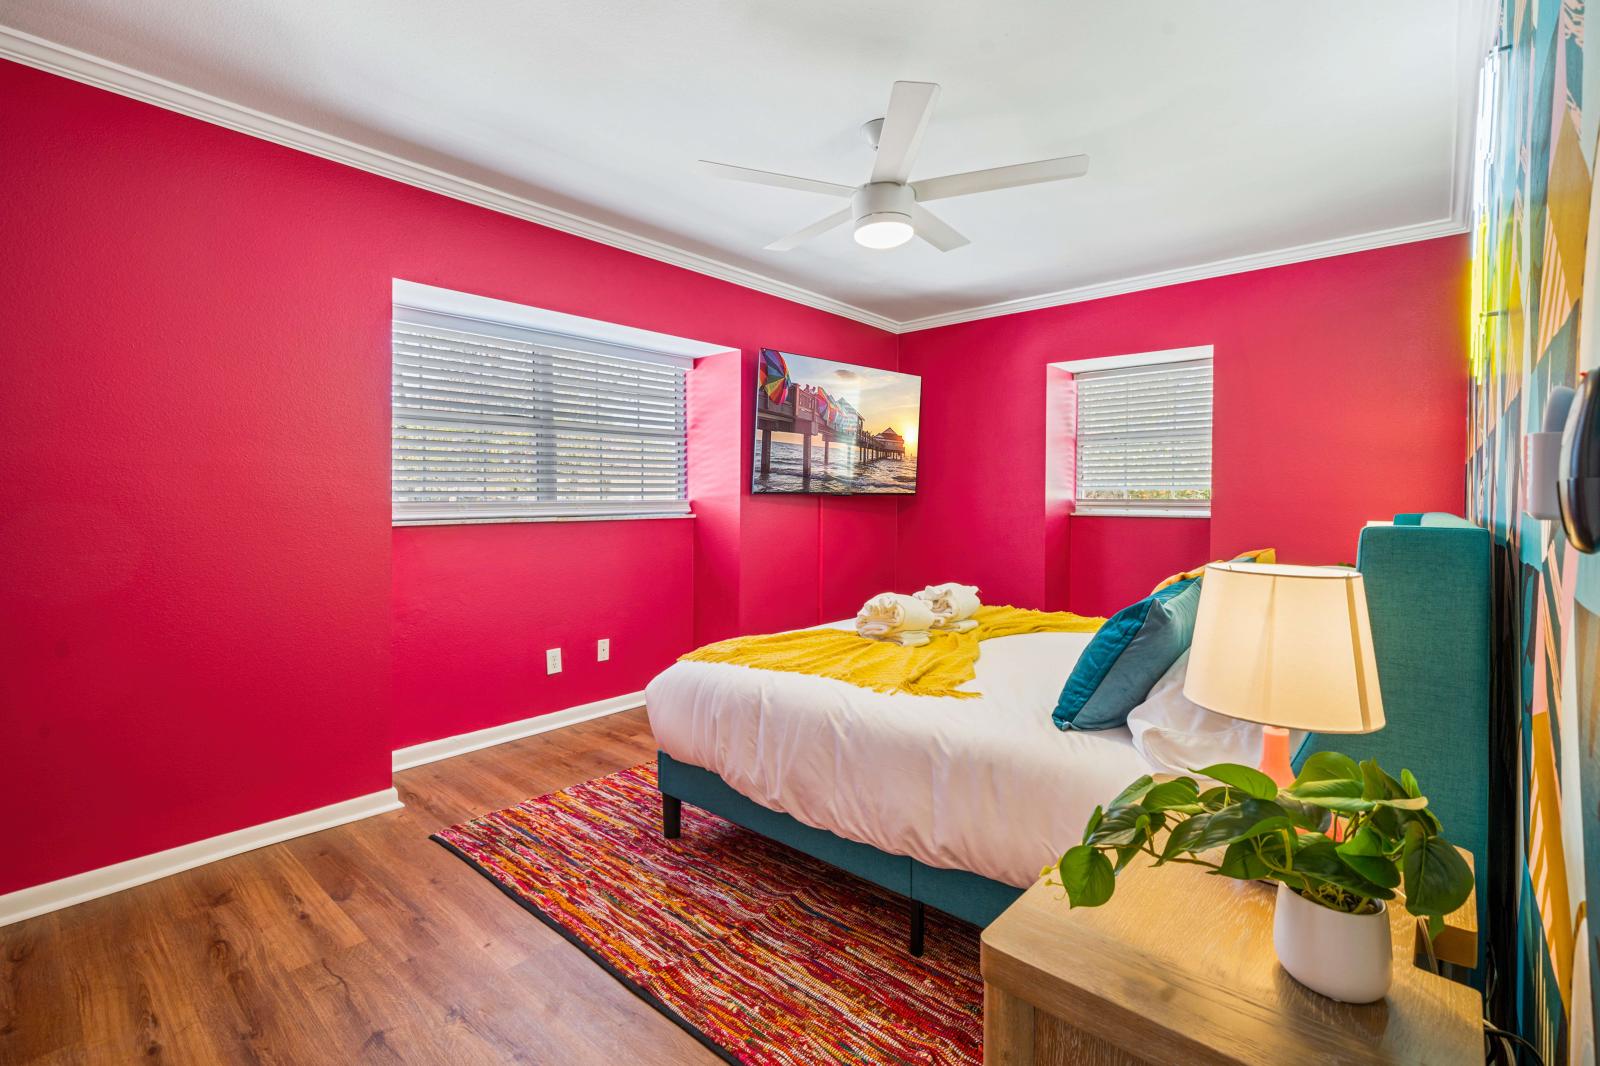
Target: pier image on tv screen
x=834 y=428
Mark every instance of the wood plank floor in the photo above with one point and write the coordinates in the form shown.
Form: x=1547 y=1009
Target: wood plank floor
x=366 y=943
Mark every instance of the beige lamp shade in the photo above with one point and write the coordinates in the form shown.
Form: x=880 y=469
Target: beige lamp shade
x=1286 y=646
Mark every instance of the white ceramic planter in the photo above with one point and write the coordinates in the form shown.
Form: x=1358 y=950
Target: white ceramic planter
x=1348 y=957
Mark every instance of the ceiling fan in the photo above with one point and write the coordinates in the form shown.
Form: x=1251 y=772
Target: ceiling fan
x=887 y=210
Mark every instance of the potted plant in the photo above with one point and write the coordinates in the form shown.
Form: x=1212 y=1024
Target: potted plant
x=1338 y=841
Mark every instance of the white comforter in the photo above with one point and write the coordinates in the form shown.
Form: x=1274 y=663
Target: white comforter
x=988 y=785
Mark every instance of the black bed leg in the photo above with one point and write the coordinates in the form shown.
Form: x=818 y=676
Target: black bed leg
x=671 y=816
x=919 y=917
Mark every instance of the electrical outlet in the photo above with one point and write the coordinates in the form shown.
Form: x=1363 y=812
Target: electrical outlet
x=602 y=650
x=552 y=661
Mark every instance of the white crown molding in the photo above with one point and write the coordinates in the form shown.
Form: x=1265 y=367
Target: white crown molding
x=461 y=743
x=1474 y=37
x=54 y=895
x=1222 y=267
x=48 y=56
x=1475 y=33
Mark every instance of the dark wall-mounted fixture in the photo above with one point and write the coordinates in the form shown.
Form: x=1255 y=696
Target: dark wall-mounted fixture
x=1579 y=481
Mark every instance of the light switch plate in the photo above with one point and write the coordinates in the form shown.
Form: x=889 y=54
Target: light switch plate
x=602 y=650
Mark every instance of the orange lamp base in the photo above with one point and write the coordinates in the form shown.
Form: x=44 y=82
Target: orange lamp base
x=1275 y=755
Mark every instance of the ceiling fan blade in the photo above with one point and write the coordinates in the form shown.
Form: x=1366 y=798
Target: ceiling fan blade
x=780 y=181
x=817 y=228
x=910 y=105
x=935 y=230
x=1067 y=166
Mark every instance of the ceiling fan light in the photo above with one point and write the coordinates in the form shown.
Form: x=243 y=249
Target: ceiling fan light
x=886 y=229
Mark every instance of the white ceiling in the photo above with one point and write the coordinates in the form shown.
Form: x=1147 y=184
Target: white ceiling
x=1239 y=128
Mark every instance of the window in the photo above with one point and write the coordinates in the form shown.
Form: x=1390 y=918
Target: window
x=496 y=419
x=1143 y=433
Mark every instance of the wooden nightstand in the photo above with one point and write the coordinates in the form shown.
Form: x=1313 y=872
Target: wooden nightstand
x=1179 y=968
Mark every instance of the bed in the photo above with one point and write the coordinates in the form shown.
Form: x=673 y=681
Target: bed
x=958 y=803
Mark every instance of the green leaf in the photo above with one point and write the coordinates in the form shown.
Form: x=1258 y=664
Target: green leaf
x=1332 y=793
x=1087 y=876
x=1134 y=792
x=1120 y=826
x=1183 y=837
x=1365 y=853
x=1241 y=861
x=1094 y=823
x=1390 y=823
x=1245 y=819
x=1304 y=815
x=1250 y=781
x=1180 y=792
x=1328 y=766
x=1127 y=855
x=1408 y=783
x=1327 y=788
x=1395 y=789
x=1373 y=785
x=1404 y=803
x=1438 y=879
x=1365 y=841
x=1320 y=861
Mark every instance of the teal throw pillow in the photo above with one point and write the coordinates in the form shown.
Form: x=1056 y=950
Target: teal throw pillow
x=1127 y=657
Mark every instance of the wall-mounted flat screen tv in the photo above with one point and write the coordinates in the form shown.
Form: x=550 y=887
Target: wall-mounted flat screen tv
x=833 y=428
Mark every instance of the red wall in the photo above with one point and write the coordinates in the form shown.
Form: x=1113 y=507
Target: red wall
x=1114 y=561
x=768 y=563
x=1340 y=387
x=196 y=536
x=212 y=624
x=475 y=607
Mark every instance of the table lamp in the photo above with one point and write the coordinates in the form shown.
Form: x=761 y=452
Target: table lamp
x=1289 y=647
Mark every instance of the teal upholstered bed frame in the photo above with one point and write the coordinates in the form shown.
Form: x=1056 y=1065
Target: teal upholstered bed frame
x=1428 y=596
x=1427 y=579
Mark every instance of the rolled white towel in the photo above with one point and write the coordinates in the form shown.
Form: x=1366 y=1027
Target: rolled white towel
x=889 y=614
x=951 y=603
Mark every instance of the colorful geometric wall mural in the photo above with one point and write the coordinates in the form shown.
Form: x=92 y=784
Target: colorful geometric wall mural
x=1533 y=226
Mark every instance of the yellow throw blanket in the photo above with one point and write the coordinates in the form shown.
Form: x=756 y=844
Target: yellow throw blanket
x=934 y=669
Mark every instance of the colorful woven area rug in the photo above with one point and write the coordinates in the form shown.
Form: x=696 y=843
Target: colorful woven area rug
x=765 y=955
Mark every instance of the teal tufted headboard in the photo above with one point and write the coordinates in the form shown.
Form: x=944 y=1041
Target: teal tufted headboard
x=1428 y=594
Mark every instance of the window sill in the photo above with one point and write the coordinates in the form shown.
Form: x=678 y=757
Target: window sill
x=486 y=520
x=1139 y=512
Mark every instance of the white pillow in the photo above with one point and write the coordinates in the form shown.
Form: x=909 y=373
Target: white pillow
x=1177 y=736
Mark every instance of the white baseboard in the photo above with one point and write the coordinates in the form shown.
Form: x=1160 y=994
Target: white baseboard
x=434 y=750
x=102 y=73
x=41 y=899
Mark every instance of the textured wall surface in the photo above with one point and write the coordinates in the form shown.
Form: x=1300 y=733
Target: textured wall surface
x=1528 y=279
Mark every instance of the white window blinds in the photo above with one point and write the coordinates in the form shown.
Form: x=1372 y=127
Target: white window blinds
x=1144 y=437
x=496 y=421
